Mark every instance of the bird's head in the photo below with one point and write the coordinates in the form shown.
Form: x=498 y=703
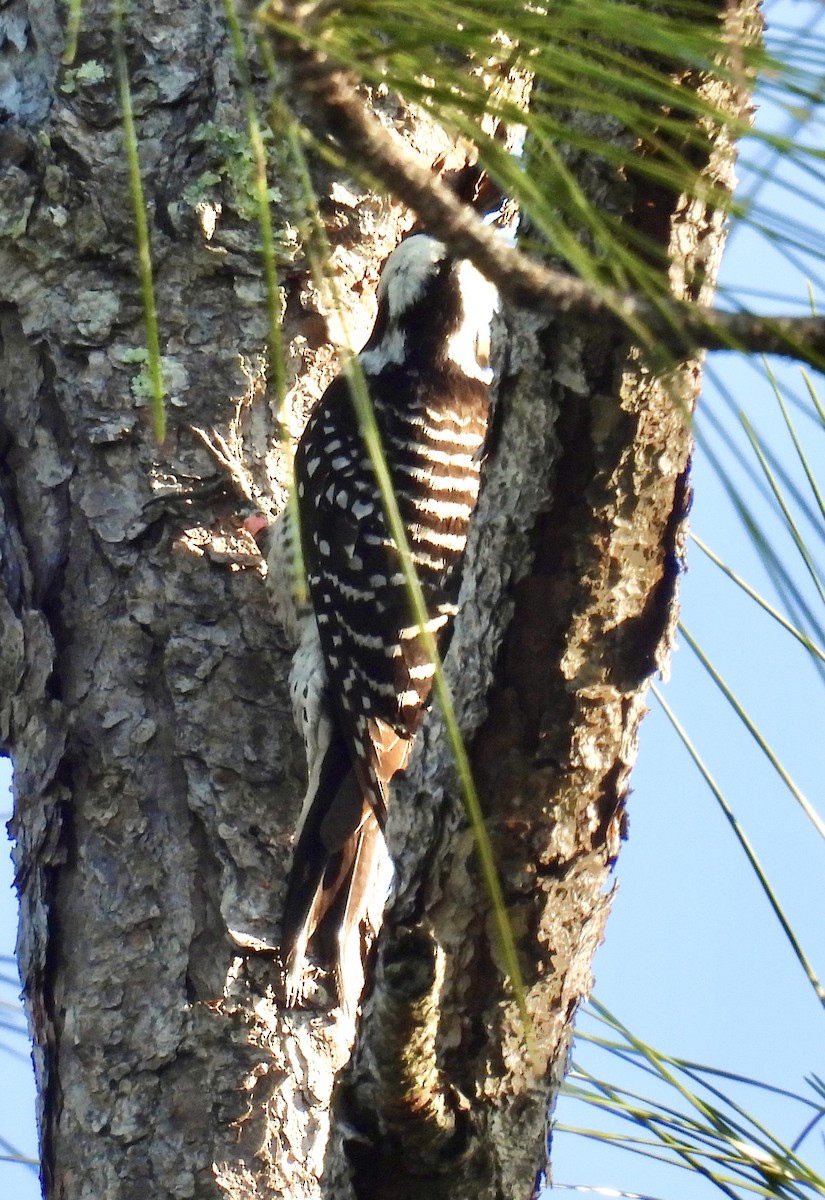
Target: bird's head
x=434 y=311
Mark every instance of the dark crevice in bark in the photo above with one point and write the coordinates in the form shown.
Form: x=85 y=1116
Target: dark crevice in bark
x=532 y=707
x=40 y=515
x=610 y=803
x=639 y=642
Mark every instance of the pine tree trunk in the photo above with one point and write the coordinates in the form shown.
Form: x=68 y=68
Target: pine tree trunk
x=158 y=777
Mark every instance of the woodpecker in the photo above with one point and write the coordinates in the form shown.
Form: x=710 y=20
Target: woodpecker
x=362 y=677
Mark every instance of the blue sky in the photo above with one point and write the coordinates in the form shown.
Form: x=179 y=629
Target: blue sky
x=693 y=961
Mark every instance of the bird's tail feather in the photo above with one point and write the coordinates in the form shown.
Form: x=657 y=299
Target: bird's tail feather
x=336 y=863
x=366 y=893
x=341 y=861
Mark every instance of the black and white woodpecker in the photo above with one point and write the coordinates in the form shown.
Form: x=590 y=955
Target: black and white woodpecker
x=361 y=677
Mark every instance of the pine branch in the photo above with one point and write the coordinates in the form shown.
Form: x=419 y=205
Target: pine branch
x=668 y=326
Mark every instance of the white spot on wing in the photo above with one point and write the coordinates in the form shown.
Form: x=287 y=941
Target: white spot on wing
x=369 y=641
x=347 y=592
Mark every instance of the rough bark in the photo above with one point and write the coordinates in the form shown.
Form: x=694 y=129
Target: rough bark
x=142 y=677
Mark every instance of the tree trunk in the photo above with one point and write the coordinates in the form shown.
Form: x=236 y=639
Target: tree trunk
x=143 y=697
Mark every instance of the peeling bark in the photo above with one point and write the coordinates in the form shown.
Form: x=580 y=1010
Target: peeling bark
x=143 y=678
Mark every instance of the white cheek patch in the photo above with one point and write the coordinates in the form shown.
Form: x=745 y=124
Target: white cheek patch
x=469 y=346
